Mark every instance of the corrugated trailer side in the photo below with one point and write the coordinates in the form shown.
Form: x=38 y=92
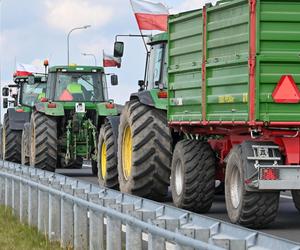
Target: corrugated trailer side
x=278 y=54
x=185 y=65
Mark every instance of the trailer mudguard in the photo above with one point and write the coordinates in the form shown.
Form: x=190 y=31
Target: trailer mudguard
x=17 y=119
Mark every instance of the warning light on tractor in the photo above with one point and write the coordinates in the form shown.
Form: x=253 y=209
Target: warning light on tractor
x=286 y=91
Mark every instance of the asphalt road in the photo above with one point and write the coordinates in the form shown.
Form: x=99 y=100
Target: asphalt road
x=287 y=224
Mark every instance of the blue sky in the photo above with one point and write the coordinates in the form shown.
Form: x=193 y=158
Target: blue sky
x=33 y=30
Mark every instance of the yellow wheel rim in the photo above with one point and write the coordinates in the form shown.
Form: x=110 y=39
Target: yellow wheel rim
x=127 y=153
x=103 y=160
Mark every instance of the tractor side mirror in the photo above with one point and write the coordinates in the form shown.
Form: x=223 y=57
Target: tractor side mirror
x=5 y=91
x=5 y=103
x=114 y=80
x=141 y=83
x=31 y=80
x=119 y=49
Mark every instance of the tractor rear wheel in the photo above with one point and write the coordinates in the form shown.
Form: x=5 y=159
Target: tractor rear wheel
x=43 y=142
x=11 y=142
x=193 y=176
x=25 y=145
x=247 y=208
x=144 y=151
x=107 y=162
x=296 y=198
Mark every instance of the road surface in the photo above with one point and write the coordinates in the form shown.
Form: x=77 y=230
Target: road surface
x=287 y=224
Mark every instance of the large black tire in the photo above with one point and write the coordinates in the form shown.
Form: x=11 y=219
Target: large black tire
x=249 y=209
x=107 y=166
x=1 y=141
x=193 y=176
x=11 y=142
x=296 y=198
x=25 y=145
x=150 y=148
x=43 y=142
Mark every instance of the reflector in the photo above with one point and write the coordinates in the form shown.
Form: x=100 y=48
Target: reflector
x=269 y=174
x=286 y=91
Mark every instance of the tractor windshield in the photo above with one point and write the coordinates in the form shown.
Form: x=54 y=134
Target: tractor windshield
x=157 y=70
x=31 y=93
x=79 y=87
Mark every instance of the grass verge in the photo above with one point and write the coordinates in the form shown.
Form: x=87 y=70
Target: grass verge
x=15 y=236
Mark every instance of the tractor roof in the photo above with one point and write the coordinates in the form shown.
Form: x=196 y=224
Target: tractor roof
x=76 y=68
x=162 y=37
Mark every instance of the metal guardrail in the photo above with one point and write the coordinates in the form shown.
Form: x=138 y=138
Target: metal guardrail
x=86 y=216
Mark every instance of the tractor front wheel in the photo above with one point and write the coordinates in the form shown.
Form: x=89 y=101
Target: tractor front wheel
x=144 y=151
x=11 y=142
x=25 y=145
x=43 y=142
x=107 y=161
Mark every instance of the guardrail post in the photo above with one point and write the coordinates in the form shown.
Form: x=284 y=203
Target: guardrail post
x=24 y=190
x=33 y=204
x=16 y=195
x=43 y=208
x=8 y=192
x=2 y=189
x=67 y=215
x=80 y=222
x=55 y=213
x=155 y=242
x=133 y=234
x=114 y=231
x=96 y=230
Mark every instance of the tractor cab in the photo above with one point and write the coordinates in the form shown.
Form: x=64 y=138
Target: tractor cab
x=31 y=89
x=77 y=84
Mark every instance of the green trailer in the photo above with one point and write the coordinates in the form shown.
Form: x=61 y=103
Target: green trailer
x=234 y=98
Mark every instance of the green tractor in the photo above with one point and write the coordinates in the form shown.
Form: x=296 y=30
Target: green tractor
x=29 y=89
x=64 y=126
x=144 y=139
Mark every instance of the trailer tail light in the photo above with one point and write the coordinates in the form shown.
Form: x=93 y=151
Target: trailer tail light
x=51 y=105
x=269 y=174
x=162 y=94
x=110 y=105
x=19 y=110
x=44 y=99
x=286 y=91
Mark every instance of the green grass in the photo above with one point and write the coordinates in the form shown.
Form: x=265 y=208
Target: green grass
x=15 y=236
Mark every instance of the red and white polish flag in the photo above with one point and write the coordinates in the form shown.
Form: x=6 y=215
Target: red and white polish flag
x=150 y=16
x=25 y=69
x=111 y=61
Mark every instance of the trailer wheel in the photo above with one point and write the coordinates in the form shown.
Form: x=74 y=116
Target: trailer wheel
x=43 y=142
x=250 y=209
x=193 y=175
x=144 y=151
x=11 y=142
x=25 y=144
x=107 y=162
x=296 y=198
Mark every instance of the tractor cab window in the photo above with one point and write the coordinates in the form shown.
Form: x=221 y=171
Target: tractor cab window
x=32 y=93
x=79 y=87
x=157 y=66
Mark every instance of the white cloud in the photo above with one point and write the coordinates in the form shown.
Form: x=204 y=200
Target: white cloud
x=192 y=5
x=66 y=14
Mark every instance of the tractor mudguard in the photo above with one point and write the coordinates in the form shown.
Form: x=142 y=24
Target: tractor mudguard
x=114 y=122
x=17 y=119
x=150 y=98
x=56 y=110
